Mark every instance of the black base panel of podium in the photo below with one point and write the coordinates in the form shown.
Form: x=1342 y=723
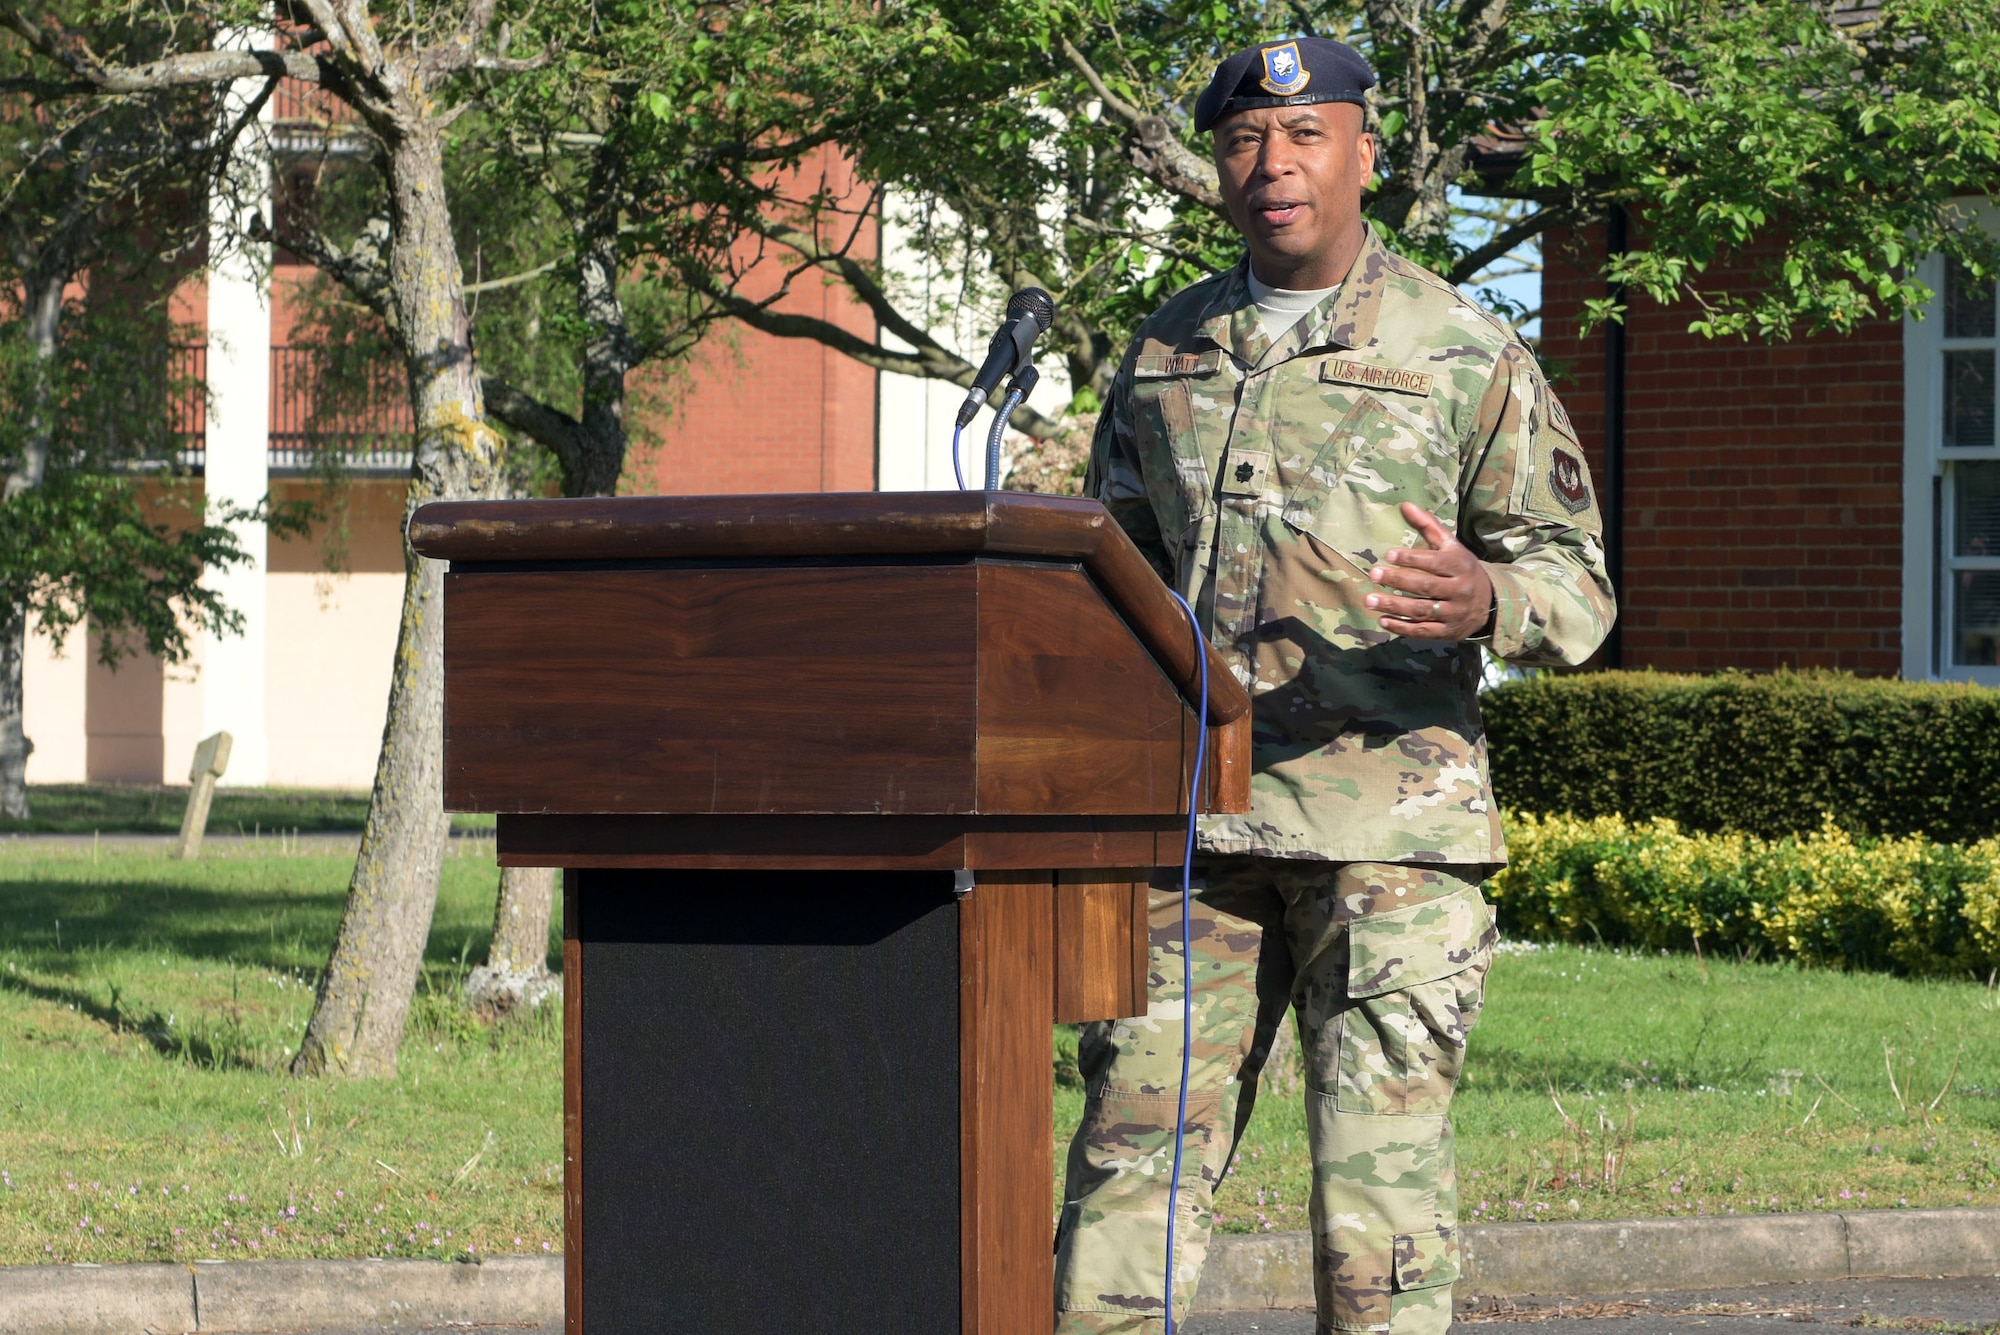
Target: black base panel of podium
x=770 y=1102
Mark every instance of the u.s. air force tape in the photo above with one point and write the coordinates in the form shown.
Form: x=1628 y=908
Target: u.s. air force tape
x=1338 y=370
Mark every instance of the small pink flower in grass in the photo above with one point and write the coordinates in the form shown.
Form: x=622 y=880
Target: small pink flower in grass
x=1846 y=1195
x=545 y=1246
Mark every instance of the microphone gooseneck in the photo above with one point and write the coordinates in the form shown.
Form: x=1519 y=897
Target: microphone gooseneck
x=1030 y=312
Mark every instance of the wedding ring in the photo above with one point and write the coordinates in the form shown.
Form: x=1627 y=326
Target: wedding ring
x=1437 y=608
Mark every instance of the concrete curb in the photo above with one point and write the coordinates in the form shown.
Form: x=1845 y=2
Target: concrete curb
x=96 y=1300
x=1643 y=1255
x=1243 y=1272
x=275 y=1295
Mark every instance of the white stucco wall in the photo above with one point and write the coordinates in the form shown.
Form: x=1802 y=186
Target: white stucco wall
x=53 y=688
x=327 y=662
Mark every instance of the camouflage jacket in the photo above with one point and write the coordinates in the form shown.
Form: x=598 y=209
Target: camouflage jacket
x=1263 y=478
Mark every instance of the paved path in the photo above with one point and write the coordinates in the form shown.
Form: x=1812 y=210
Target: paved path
x=452 y=1329
x=1938 y=1305
x=269 y=841
x=1909 y=1304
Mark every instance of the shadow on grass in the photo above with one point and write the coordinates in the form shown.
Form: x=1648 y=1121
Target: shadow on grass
x=1541 y=1067
x=79 y=808
x=215 y=1052
x=83 y=808
x=255 y=928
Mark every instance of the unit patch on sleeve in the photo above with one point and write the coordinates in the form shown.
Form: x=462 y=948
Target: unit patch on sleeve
x=1337 y=370
x=1568 y=482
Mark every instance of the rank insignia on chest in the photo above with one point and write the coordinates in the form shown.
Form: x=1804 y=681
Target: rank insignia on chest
x=1340 y=371
x=1566 y=480
x=1244 y=472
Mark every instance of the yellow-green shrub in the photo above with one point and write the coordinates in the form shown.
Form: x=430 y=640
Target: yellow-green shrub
x=1906 y=904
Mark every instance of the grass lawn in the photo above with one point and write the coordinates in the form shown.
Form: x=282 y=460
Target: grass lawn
x=144 y=1113
x=1605 y=1085
x=107 y=808
x=147 y=1007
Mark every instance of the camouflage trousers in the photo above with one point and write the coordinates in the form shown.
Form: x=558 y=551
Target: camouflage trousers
x=1386 y=964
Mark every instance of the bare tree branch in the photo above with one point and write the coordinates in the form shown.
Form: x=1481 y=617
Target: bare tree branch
x=513 y=280
x=556 y=431
x=359 y=269
x=932 y=362
x=1527 y=229
x=862 y=283
x=1153 y=147
x=181 y=71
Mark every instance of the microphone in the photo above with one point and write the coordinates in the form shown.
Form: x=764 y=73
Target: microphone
x=1030 y=312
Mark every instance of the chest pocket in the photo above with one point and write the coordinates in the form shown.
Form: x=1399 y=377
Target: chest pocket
x=1348 y=496
x=1181 y=405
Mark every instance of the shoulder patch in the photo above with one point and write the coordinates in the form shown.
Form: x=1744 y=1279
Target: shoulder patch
x=1341 y=371
x=1568 y=482
x=1162 y=365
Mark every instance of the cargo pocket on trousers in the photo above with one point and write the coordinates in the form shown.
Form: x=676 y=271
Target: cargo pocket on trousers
x=1416 y=979
x=1426 y=1260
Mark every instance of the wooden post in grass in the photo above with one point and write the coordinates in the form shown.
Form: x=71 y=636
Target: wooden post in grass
x=211 y=758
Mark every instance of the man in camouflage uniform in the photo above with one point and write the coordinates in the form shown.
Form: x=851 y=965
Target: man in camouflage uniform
x=1353 y=501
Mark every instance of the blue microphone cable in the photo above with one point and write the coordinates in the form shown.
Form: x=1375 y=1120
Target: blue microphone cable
x=1011 y=402
x=1187 y=944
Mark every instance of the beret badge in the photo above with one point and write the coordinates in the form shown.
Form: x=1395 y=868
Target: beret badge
x=1284 y=73
x=1276 y=74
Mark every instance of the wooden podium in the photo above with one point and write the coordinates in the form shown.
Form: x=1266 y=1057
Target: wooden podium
x=854 y=794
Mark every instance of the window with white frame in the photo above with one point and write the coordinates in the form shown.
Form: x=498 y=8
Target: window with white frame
x=1951 y=605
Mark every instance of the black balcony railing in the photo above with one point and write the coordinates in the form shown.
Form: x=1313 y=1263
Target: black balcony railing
x=368 y=434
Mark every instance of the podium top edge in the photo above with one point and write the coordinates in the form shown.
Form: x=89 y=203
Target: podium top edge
x=801 y=524
x=834 y=524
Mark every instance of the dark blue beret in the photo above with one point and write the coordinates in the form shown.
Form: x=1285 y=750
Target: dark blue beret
x=1291 y=73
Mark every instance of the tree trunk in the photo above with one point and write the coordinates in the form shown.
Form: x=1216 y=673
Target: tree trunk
x=607 y=357
x=14 y=744
x=364 y=996
x=516 y=977
x=44 y=331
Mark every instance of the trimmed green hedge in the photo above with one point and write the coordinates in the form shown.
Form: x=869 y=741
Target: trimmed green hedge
x=1765 y=755
x=1905 y=904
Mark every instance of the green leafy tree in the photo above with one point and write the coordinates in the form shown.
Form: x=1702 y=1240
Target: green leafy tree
x=1824 y=143
x=402 y=70
x=97 y=523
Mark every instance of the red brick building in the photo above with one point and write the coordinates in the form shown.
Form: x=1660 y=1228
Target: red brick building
x=1825 y=502
x=763 y=414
